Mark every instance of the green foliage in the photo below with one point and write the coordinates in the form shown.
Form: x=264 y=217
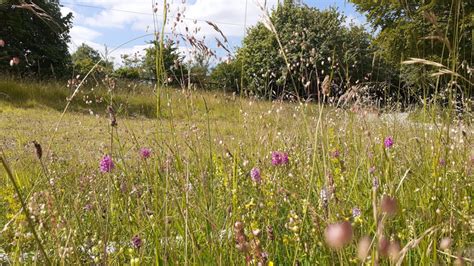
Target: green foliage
x=227 y=75
x=440 y=31
x=37 y=37
x=85 y=58
x=198 y=68
x=316 y=43
x=131 y=67
x=172 y=62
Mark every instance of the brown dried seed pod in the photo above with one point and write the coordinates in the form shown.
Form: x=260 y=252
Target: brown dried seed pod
x=39 y=150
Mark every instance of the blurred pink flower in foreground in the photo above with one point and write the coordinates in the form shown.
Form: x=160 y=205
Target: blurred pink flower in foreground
x=14 y=61
x=338 y=235
x=2 y=43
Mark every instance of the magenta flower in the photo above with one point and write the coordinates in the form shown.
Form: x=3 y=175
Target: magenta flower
x=388 y=142
x=335 y=154
x=279 y=158
x=137 y=242
x=106 y=164
x=442 y=162
x=145 y=153
x=255 y=175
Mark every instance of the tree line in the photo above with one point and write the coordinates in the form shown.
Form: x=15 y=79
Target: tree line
x=297 y=52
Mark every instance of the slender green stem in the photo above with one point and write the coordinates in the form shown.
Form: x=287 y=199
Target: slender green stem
x=25 y=208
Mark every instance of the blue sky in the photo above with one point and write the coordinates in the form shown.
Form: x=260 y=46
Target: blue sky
x=111 y=23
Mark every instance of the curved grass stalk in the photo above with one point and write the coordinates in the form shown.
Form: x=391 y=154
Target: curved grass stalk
x=24 y=208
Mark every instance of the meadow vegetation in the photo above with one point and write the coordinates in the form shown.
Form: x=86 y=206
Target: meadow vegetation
x=301 y=157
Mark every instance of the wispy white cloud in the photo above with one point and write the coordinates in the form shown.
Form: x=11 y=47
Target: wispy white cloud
x=230 y=16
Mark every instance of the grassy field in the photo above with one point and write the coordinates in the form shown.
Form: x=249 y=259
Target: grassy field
x=357 y=187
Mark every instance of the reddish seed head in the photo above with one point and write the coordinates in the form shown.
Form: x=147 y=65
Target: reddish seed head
x=338 y=235
x=238 y=225
x=382 y=246
x=2 y=43
x=389 y=205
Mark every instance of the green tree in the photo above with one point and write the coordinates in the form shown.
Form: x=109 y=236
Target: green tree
x=131 y=67
x=316 y=43
x=198 y=67
x=84 y=59
x=171 y=59
x=37 y=34
x=227 y=75
x=438 y=30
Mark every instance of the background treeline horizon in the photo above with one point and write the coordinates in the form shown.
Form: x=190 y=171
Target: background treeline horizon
x=298 y=52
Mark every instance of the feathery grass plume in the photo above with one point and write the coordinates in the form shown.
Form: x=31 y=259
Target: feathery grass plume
x=363 y=248
x=394 y=251
x=326 y=86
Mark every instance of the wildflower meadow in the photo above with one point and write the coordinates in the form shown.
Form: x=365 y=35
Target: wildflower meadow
x=305 y=147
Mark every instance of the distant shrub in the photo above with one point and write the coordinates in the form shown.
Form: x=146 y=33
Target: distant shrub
x=227 y=76
x=316 y=43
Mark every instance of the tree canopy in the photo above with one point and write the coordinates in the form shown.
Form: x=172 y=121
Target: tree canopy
x=84 y=59
x=37 y=34
x=315 y=43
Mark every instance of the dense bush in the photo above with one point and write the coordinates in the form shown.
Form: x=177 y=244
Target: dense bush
x=316 y=43
x=227 y=76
